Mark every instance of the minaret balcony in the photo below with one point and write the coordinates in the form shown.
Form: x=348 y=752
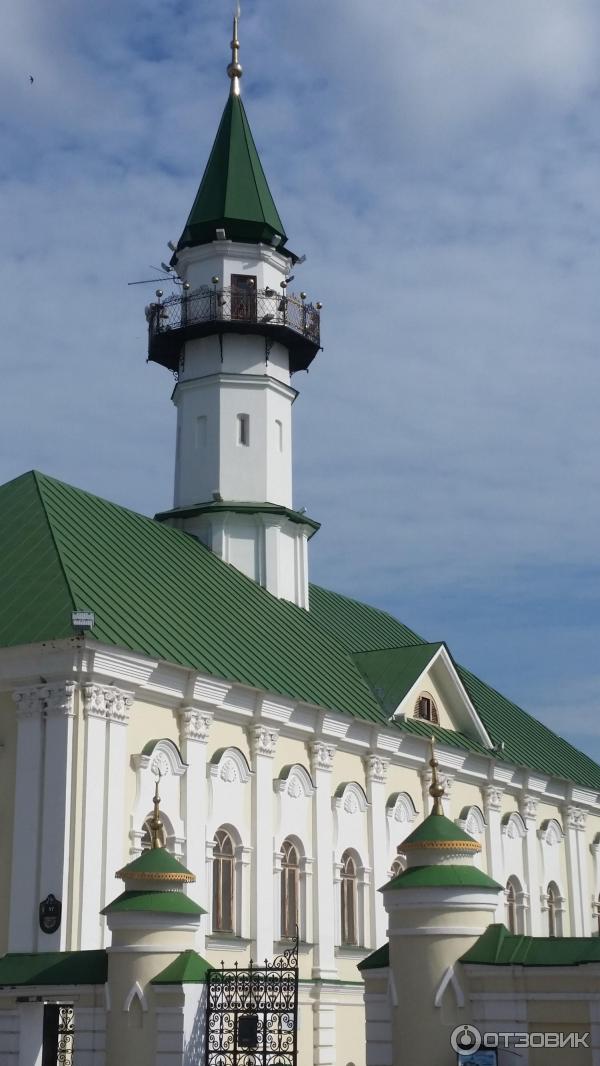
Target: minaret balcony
x=276 y=316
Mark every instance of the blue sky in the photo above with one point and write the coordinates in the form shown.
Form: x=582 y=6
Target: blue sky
x=438 y=164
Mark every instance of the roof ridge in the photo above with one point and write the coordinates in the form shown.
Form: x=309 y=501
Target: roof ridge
x=38 y=479
x=401 y=647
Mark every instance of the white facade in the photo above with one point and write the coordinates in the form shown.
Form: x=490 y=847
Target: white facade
x=268 y=770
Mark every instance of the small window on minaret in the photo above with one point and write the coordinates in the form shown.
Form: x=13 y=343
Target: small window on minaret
x=243 y=430
x=201 y=431
x=279 y=433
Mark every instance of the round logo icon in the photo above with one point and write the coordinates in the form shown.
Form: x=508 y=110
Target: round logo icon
x=466 y=1038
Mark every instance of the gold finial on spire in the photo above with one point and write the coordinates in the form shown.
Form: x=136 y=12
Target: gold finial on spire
x=436 y=788
x=234 y=70
x=156 y=826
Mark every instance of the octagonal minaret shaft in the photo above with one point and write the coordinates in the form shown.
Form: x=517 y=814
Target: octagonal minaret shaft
x=233 y=334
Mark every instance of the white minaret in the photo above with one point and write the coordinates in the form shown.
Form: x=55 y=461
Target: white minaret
x=234 y=335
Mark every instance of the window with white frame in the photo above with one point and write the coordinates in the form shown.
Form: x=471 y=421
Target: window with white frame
x=426 y=709
x=223 y=875
x=290 y=889
x=349 y=899
x=554 y=907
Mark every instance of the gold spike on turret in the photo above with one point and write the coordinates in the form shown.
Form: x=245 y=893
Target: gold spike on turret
x=235 y=69
x=155 y=825
x=436 y=788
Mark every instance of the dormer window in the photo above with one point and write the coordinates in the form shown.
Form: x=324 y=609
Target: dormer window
x=426 y=709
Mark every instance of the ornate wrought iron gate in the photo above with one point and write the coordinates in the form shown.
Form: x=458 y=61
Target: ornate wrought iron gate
x=252 y=1017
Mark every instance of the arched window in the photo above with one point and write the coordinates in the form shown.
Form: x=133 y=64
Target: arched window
x=426 y=709
x=223 y=882
x=511 y=906
x=554 y=905
x=290 y=889
x=399 y=864
x=349 y=903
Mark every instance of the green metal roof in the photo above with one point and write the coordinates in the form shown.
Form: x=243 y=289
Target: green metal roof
x=158 y=591
x=187 y=968
x=156 y=864
x=392 y=672
x=54 y=968
x=377 y=960
x=234 y=194
x=436 y=828
x=165 y=902
x=441 y=877
x=498 y=947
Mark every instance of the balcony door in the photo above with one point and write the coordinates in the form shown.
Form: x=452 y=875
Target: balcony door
x=243 y=297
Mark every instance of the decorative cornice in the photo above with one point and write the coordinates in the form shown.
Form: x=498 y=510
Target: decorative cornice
x=322 y=755
x=55 y=699
x=106 y=701
x=194 y=725
x=376 y=767
x=263 y=740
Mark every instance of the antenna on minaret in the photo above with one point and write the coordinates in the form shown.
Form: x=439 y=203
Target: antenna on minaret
x=234 y=70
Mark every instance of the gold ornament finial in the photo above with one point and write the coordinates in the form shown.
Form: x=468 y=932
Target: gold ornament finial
x=436 y=788
x=156 y=826
x=235 y=70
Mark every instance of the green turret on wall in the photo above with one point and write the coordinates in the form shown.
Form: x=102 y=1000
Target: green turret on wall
x=152 y=972
x=437 y=907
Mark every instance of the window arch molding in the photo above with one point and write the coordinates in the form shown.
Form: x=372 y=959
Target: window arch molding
x=401 y=808
x=551 y=832
x=162 y=757
x=472 y=821
x=229 y=765
x=351 y=798
x=295 y=781
x=513 y=826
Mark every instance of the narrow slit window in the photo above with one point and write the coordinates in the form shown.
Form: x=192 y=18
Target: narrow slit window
x=243 y=430
x=279 y=433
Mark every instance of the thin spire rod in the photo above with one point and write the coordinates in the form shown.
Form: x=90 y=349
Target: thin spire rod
x=156 y=826
x=436 y=788
x=235 y=70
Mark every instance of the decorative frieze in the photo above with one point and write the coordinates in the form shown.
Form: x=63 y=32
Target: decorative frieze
x=195 y=725
x=376 y=769
x=105 y=701
x=263 y=740
x=322 y=755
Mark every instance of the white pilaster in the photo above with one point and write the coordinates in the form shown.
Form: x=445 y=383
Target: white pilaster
x=324 y=1034
x=376 y=771
x=31 y=1026
x=578 y=887
x=322 y=755
x=23 y=918
x=194 y=728
x=58 y=713
x=93 y=820
x=528 y=811
x=263 y=741
x=492 y=809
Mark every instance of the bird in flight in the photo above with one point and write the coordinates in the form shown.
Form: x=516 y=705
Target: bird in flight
x=31 y=79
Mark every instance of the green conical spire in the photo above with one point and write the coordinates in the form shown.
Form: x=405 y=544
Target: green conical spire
x=234 y=194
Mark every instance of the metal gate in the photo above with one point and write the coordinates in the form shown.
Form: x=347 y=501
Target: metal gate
x=252 y=1015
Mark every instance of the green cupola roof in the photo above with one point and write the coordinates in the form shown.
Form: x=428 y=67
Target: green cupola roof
x=234 y=194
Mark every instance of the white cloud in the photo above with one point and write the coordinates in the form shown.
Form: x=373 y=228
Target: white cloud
x=437 y=162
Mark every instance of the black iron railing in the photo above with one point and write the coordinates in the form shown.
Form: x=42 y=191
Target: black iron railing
x=229 y=305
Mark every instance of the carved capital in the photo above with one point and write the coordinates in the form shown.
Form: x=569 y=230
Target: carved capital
x=528 y=808
x=56 y=698
x=105 y=701
x=263 y=740
x=492 y=798
x=322 y=755
x=376 y=767
x=195 y=725
x=447 y=780
x=575 y=817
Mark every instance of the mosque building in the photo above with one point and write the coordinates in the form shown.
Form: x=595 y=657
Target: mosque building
x=249 y=753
